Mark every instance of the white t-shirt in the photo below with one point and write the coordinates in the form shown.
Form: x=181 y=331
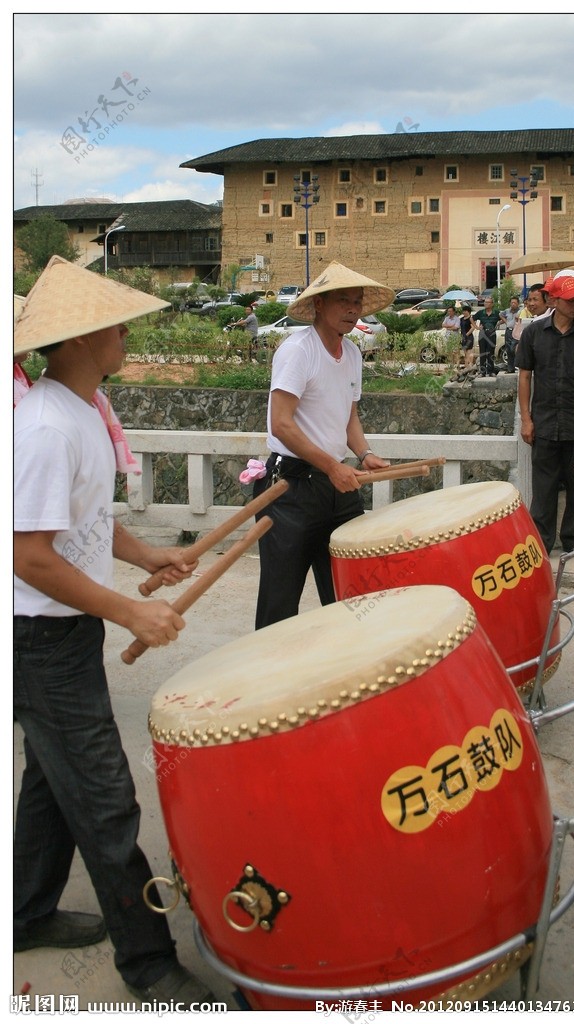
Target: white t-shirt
x=64 y=473
x=326 y=389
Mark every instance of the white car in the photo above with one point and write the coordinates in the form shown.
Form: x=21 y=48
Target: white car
x=288 y=293
x=364 y=334
x=436 y=347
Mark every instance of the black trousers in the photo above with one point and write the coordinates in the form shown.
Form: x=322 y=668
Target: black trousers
x=486 y=346
x=303 y=521
x=552 y=465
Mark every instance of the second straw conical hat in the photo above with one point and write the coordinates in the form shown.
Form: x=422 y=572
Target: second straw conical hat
x=68 y=301
x=375 y=296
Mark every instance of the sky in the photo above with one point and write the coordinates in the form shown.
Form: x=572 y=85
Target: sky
x=150 y=91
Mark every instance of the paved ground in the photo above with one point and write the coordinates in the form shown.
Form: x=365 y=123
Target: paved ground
x=224 y=613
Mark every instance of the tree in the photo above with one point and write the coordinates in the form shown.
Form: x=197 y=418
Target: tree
x=43 y=238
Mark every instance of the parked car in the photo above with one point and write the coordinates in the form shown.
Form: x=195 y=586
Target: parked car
x=436 y=304
x=485 y=294
x=365 y=334
x=211 y=308
x=436 y=349
x=413 y=295
x=288 y=293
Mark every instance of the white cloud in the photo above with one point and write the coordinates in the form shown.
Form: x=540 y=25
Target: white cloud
x=357 y=128
x=207 y=81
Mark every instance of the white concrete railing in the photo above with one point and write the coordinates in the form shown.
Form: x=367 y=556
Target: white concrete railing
x=201 y=515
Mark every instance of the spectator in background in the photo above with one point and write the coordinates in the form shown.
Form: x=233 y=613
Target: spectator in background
x=451 y=328
x=467 y=336
x=545 y=358
x=485 y=321
x=508 y=317
x=535 y=305
x=251 y=325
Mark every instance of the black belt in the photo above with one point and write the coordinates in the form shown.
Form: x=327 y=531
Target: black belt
x=289 y=466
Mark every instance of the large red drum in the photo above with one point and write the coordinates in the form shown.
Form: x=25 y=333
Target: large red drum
x=478 y=539
x=355 y=797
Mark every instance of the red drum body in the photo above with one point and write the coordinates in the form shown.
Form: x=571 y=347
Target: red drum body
x=355 y=797
x=478 y=539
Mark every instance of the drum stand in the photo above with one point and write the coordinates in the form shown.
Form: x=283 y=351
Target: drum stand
x=505 y=952
x=536 y=703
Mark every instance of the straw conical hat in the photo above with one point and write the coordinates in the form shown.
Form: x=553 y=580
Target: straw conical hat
x=19 y=301
x=68 y=301
x=375 y=296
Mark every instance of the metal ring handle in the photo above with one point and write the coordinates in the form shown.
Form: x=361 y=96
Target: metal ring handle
x=250 y=904
x=172 y=884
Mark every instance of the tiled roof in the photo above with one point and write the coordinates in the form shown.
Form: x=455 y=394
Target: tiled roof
x=539 y=142
x=171 y=215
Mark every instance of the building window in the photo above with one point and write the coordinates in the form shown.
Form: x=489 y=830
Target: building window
x=540 y=171
x=320 y=238
x=359 y=203
x=265 y=209
x=80 y=229
x=435 y=236
x=305 y=177
x=415 y=207
x=451 y=172
x=496 y=172
x=344 y=176
x=434 y=206
x=286 y=209
x=419 y=171
x=102 y=229
x=557 y=204
x=380 y=175
x=211 y=244
x=380 y=206
x=302 y=240
x=269 y=237
x=341 y=209
x=269 y=177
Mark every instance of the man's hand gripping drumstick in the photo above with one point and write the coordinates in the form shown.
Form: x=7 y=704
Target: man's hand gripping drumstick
x=191 y=595
x=162 y=576
x=400 y=471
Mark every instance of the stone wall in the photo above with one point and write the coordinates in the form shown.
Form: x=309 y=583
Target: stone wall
x=486 y=409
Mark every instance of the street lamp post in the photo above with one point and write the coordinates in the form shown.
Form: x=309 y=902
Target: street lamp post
x=122 y=227
x=306 y=193
x=527 y=192
x=505 y=207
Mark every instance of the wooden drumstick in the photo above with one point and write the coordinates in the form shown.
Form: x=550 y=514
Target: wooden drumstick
x=212 y=538
x=393 y=473
x=191 y=595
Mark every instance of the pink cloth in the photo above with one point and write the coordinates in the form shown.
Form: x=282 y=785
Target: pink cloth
x=125 y=461
x=22 y=383
x=256 y=470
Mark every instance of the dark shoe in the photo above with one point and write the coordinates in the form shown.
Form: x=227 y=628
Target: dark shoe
x=61 y=930
x=177 y=985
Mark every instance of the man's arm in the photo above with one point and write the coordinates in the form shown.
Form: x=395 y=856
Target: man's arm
x=37 y=563
x=344 y=478
x=171 y=559
x=357 y=442
x=524 y=395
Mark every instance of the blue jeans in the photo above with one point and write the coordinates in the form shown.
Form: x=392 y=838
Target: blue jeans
x=77 y=790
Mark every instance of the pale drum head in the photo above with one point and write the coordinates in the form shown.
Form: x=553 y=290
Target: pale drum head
x=310 y=665
x=425 y=518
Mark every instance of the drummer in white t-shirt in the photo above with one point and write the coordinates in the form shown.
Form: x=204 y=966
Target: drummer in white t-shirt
x=312 y=422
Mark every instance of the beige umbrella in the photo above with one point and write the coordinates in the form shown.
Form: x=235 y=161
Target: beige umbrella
x=541 y=262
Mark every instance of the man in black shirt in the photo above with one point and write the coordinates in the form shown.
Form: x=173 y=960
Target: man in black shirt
x=545 y=358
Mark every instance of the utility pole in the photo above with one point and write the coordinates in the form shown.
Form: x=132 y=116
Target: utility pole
x=36 y=183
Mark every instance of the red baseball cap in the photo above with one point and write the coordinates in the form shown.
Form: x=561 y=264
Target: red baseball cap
x=560 y=287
